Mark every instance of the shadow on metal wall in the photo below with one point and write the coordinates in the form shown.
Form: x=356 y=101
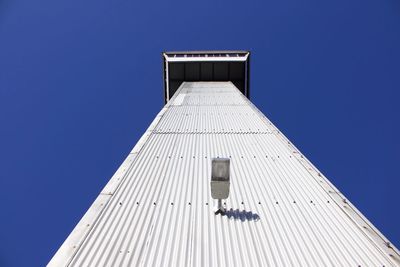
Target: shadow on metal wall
x=242 y=215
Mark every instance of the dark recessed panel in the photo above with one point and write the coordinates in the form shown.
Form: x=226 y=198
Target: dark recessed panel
x=221 y=71
x=176 y=71
x=206 y=71
x=236 y=71
x=192 y=71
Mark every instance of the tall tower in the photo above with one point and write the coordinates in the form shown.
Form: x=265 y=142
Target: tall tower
x=157 y=209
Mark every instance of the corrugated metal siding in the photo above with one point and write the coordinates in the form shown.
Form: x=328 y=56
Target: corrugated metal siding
x=160 y=212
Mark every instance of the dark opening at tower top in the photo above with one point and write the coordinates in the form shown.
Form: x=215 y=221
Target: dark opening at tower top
x=206 y=66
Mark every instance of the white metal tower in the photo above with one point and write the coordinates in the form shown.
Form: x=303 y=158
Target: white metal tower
x=157 y=209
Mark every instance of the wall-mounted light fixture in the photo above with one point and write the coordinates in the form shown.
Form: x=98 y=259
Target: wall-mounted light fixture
x=220 y=181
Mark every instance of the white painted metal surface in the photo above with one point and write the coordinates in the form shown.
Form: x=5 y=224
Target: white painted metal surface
x=157 y=209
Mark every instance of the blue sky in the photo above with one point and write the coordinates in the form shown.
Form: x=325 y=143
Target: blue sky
x=80 y=81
